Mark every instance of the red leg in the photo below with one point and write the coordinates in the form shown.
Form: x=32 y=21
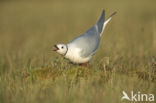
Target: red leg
x=84 y=64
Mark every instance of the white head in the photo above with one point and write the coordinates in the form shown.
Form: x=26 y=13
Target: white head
x=61 y=48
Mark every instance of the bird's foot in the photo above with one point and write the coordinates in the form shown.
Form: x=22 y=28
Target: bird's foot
x=84 y=64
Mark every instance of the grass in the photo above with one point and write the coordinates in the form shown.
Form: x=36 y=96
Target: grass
x=30 y=72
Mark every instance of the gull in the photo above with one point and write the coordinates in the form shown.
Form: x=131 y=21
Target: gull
x=83 y=48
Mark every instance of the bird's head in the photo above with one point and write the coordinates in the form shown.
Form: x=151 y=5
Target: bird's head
x=61 y=48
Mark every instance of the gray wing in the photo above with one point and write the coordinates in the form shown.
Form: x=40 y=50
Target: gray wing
x=88 y=43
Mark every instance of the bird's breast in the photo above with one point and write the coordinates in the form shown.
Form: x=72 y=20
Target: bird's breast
x=73 y=54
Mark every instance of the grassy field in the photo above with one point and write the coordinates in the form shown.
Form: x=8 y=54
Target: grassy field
x=30 y=72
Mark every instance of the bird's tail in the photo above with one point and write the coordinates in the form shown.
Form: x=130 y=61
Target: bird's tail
x=101 y=24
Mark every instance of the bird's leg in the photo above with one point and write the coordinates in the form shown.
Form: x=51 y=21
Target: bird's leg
x=84 y=64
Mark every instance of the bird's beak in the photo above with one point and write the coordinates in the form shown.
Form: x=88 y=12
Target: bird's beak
x=56 y=48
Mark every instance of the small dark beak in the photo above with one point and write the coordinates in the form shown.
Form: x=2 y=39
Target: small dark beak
x=56 y=48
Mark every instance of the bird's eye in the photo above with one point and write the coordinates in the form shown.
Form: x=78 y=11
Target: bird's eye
x=62 y=47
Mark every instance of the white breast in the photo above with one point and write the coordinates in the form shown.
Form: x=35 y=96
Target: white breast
x=73 y=54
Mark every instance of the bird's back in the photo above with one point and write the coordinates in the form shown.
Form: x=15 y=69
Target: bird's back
x=87 y=43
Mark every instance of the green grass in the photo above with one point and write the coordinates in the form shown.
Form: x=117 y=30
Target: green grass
x=30 y=72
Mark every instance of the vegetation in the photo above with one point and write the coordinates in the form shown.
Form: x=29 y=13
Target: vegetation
x=30 y=72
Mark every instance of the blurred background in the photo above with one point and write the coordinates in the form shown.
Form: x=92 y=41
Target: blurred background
x=29 y=29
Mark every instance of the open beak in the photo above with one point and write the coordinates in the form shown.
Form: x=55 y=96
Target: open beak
x=56 y=48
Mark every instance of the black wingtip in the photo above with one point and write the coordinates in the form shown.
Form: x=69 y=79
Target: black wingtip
x=102 y=15
x=113 y=14
x=103 y=12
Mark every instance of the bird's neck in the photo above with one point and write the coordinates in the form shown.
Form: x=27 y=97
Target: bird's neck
x=66 y=50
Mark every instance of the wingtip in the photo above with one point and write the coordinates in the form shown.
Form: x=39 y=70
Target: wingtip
x=113 y=14
x=103 y=11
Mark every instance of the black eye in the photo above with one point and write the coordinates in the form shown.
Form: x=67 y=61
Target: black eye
x=62 y=47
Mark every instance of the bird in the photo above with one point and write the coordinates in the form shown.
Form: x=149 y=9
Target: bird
x=82 y=49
